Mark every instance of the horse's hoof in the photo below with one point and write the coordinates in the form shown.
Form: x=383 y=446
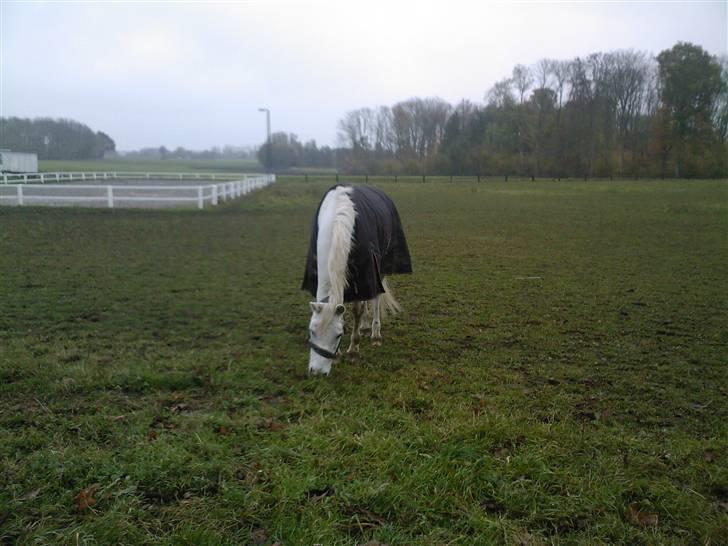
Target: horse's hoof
x=352 y=355
x=377 y=342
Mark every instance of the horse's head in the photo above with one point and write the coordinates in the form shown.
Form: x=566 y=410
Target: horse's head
x=325 y=331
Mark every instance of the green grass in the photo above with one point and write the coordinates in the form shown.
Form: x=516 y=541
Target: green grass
x=558 y=375
x=170 y=165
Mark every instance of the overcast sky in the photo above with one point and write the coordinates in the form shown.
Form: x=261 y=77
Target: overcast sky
x=193 y=74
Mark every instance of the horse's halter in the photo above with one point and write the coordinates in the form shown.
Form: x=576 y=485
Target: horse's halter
x=325 y=352
x=321 y=351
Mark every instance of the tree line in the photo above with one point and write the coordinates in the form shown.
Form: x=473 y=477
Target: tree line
x=216 y=152
x=54 y=138
x=622 y=113
x=284 y=151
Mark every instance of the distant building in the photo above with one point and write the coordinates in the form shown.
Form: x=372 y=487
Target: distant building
x=18 y=162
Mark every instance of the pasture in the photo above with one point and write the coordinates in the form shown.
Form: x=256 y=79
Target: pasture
x=558 y=375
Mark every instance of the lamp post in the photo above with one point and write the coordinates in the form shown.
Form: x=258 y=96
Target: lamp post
x=270 y=144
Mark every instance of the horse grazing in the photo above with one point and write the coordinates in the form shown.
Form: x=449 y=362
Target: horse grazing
x=356 y=240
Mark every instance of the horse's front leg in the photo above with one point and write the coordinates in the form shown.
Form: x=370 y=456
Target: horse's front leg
x=376 y=322
x=357 y=309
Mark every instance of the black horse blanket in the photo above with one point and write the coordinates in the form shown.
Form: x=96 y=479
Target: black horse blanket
x=379 y=247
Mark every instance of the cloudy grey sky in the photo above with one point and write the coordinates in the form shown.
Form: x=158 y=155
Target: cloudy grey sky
x=193 y=74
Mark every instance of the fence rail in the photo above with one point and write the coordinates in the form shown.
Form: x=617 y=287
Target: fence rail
x=128 y=195
x=43 y=178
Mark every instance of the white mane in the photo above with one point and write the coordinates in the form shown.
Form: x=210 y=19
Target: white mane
x=336 y=224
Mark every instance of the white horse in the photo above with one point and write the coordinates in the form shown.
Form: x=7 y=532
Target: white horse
x=356 y=240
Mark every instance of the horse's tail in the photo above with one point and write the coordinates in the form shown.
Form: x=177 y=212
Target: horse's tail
x=389 y=304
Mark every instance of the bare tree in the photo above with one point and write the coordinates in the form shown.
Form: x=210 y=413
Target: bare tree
x=419 y=126
x=522 y=80
x=357 y=129
x=627 y=86
x=543 y=72
x=384 y=131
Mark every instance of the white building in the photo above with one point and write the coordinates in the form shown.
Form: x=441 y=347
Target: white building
x=18 y=162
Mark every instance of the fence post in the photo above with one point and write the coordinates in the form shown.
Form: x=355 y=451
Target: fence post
x=200 y=202
x=20 y=194
x=214 y=195
x=5 y=179
x=110 y=196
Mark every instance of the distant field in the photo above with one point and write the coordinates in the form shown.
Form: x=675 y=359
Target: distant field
x=172 y=165
x=558 y=375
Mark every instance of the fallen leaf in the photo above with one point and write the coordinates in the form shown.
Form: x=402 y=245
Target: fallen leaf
x=271 y=424
x=637 y=517
x=260 y=537
x=315 y=495
x=85 y=499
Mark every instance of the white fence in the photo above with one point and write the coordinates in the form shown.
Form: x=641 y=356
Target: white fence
x=129 y=195
x=43 y=178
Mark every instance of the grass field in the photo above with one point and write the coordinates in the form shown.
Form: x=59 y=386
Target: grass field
x=167 y=165
x=558 y=375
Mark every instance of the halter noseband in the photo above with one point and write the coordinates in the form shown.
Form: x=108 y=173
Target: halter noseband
x=325 y=352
